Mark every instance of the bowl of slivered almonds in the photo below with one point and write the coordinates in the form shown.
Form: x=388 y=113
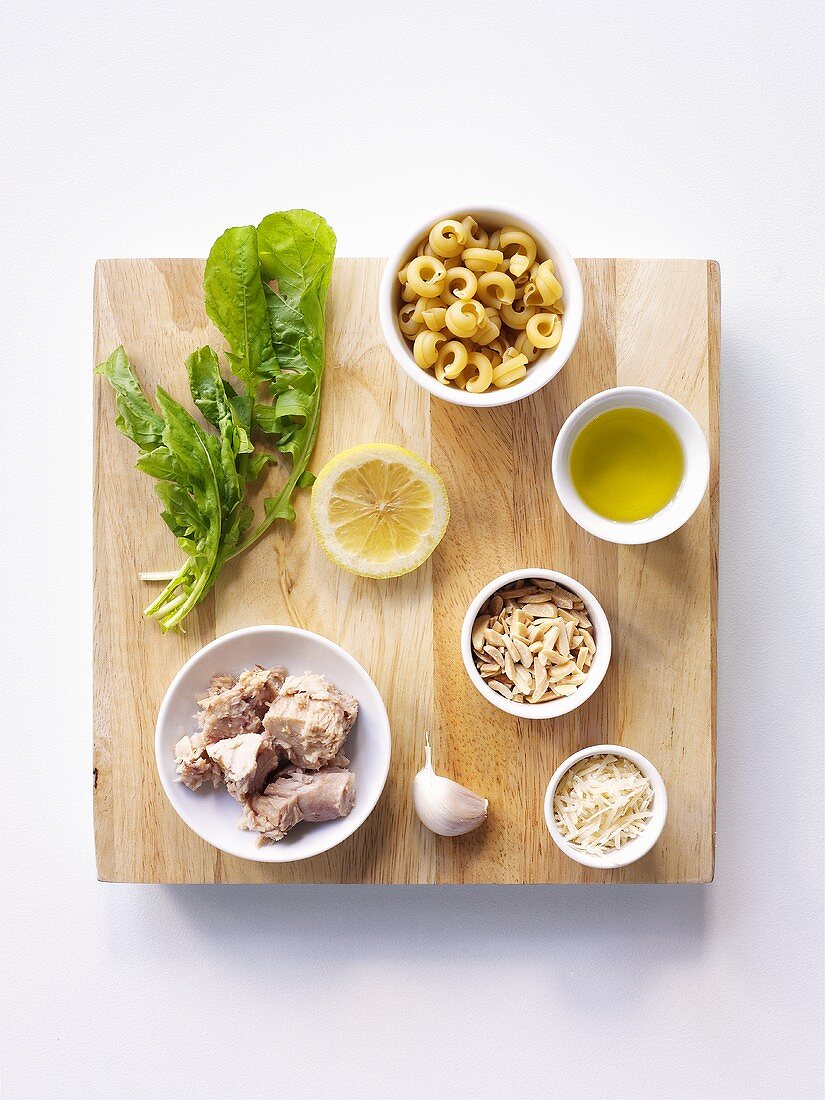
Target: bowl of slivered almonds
x=536 y=643
x=481 y=306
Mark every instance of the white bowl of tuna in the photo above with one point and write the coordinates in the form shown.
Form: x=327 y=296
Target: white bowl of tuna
x=273 y=744
x=606 y=806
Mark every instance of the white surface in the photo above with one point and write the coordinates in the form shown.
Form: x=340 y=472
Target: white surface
x=691 y=491
x=213 y=814
x=546 y=364
x=641 y=129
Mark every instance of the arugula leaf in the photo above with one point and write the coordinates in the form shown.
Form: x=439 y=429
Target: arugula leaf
x=207 y=386
x=136 y=418
x=296 y=246
x=181 y=515
x=209 y=394
x=257 y=462
x=236 y=305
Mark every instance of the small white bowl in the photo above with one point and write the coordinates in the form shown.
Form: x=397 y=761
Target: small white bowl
x=689 y=494
x=213 y=814
x=545 y=367
x=600 y=632
x=633 y=849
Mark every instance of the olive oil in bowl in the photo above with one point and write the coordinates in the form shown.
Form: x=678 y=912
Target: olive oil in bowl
x=627 y=464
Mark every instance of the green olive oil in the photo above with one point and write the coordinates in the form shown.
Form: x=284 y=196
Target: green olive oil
x=627 y=464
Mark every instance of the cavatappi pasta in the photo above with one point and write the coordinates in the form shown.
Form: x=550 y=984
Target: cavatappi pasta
x=479 y=305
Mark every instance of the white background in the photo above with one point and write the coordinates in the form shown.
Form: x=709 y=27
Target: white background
x=638 y=129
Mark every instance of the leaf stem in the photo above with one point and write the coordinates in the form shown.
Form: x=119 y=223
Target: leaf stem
x=153 y=608
x=299 y=465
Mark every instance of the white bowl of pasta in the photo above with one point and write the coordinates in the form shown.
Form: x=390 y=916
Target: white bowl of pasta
x=481 y=306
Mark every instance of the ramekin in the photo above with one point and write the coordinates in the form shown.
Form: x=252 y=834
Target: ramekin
x=633 y=849
x=600 y=632
x=545 y=367
x=689 y=494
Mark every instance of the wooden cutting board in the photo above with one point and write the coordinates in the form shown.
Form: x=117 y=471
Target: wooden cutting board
x=647 y=322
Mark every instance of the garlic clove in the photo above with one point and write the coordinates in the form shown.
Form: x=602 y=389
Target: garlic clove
x=443 y=805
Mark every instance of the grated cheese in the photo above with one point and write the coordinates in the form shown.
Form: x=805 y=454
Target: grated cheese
x=602 y=802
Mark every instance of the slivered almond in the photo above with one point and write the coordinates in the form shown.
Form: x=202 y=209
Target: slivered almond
x=501 y=688
x=495 y=655
x=539 y=629
x=510 y=667
x=543 y=610
x=541 y=678
x=479 y=628
x=519 y=590
x=519 y=620
x=523 y=680
x=553 y=657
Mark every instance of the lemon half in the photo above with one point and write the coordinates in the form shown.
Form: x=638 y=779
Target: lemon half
x=379 y=510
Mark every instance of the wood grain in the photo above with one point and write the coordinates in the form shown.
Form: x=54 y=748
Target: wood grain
x=650 y=322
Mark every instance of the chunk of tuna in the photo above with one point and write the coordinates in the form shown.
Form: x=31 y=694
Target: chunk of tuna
x=271 y=814
x=219 y=683
x=233 y=707
x=245 y=762
x=193 y=765
x=310 y=719
x=299 y=796
x=323 y=795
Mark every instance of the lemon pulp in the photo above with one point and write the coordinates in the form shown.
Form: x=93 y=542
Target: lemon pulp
x=627 y=464
x=379 y=510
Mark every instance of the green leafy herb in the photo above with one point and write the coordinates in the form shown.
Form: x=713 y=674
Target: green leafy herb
x=293 y=253
x=265 y=290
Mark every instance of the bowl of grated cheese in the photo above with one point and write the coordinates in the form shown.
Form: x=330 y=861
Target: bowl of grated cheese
x=605 y=806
